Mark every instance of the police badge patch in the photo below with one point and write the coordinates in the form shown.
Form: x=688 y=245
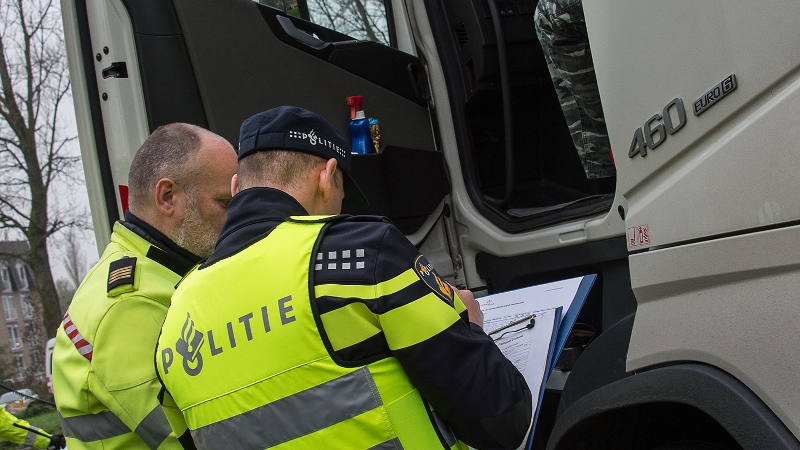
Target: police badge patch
x=426 y=272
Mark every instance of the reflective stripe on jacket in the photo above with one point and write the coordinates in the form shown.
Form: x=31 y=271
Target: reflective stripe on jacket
x=110 y=400
x=242 y=355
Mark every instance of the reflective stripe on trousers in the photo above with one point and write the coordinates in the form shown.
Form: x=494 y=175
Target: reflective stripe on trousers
x=298 y=415
x=152 y=430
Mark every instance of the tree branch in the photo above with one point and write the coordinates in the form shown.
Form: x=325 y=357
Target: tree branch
x=5 y=217
x=13 y=114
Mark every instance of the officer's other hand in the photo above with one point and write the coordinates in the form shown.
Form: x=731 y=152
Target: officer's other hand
x=473 y=307
x=57 y=441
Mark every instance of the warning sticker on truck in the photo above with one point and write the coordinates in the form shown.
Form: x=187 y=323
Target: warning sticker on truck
x=638 y=235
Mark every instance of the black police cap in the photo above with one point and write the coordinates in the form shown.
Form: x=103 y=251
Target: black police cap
x=296 y=129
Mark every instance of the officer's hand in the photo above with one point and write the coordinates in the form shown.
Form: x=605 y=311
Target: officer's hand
x=57 y=441
x=473 y=307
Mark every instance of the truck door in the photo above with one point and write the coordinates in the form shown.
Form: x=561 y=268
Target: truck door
x=137 y=65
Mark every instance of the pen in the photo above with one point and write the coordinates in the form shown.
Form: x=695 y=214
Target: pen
x=516 y=322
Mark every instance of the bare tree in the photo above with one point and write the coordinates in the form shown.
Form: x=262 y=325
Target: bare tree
x=361 y=19
x=65 y=293
x=34 y=150
x=73 y=258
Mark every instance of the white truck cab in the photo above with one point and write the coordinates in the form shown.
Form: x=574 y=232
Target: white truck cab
x=696 y=244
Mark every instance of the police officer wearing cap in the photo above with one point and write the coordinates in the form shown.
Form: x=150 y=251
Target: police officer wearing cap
x=309 y=329
x=104 y=380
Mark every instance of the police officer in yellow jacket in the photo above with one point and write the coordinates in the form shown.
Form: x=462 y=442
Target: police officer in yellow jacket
x=104 y=380
x=19 y=431
x=307 y=329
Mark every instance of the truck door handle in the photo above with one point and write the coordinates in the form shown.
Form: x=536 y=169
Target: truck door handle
x=301 y=36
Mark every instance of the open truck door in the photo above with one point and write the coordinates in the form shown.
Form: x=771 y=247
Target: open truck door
x=138 y=65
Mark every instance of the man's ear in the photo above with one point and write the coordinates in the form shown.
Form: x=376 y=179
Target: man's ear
x=165 y=192
x=235 y=184
x=326 y=181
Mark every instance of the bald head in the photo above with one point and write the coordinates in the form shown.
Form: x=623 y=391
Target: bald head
x=179 y=183
x=170 y=152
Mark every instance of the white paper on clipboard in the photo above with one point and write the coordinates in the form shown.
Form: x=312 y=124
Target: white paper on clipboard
x=569 y=294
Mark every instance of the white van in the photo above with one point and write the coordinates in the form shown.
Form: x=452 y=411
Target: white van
x=48 y=364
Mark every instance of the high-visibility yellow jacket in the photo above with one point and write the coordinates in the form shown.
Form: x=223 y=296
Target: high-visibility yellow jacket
x=255 y=359
x=19 y=431
x=104 y=381
x=264 y=378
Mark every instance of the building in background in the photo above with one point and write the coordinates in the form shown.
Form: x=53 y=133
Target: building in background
x=22 y=336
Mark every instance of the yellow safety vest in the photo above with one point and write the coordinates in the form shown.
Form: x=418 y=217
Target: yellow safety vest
x=104 y=382
x=242 y=356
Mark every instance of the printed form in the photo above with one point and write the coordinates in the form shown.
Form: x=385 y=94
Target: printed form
x=528 y=348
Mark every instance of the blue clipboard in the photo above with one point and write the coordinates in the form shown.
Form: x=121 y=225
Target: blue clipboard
x=548 y=367
x=560 y=333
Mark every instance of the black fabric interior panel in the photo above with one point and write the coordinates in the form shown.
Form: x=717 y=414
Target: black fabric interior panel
x=388 y=67
x=404 y=184
x=154 y=17
x=170 y=90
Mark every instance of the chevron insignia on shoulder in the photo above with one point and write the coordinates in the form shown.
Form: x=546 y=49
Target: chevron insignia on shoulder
x=121 y=272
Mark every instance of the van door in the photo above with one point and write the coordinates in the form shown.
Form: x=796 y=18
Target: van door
x=137 y=65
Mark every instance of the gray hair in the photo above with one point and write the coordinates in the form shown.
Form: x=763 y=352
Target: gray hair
x=170 y=152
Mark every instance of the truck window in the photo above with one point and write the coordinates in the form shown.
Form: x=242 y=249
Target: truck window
x=360 y=19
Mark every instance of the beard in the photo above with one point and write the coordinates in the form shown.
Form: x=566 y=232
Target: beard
x=196 y=234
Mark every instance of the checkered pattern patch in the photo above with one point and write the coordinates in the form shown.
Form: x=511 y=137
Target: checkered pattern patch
x=341 y=260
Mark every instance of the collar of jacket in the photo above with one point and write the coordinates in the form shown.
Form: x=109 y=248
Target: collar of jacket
x=252 y=214
x=161 y=249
